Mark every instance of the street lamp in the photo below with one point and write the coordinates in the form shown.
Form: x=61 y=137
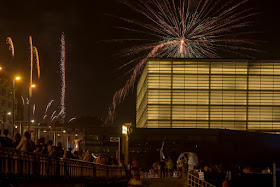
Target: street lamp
x=29 y=100
x=17 y=78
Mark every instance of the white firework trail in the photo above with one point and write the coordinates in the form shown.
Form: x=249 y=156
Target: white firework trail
x=34 y=108
x=63 y=78
x=53 y=118
x=44 y=117
x=61 y=112
x=9 y=41
x=71 y=120
x=48 y=106
x=53 y=114
x=27 y=101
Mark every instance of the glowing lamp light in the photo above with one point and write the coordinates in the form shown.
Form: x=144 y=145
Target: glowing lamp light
x=32 y=121
x=0 y=68
x=16 y=126
x=124 y=129
x=44 y=131
x=58 y=134
x=76 y=134
x=32 y=85
x=17 y=78
x=64 y=131
x=9 y=113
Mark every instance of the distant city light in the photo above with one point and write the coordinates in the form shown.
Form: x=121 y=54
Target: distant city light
x=76 y=134
x=32 y=121
x=9 y=113
x=44 y=131
x=64 y=131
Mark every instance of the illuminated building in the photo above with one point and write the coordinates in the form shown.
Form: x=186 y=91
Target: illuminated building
x=209 y=93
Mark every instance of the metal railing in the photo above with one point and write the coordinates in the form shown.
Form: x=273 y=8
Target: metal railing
x=194 y=181
x=25 y=164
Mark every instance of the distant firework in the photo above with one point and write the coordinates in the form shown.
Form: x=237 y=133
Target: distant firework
x=63 y=77
x=52 y=114
x=184 y=29
x=31 y=60
x=9 y=41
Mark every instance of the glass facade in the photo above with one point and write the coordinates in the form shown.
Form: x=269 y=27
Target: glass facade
x=209 y=93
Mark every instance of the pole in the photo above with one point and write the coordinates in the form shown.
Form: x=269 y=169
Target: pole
x=13 y=125
x=28 y=117
x=119 y=151
x=274 y=174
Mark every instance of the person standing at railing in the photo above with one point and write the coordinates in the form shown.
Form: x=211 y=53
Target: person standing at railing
x=88 y=157
x=6 y=141
x=60 y=151
x=68 y=154
x=16 y=139
x=26 y=143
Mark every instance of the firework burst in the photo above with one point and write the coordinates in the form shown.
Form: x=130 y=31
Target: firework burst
x=71 y=120
x=63 y=77
x=9 y=41
x=184 y=29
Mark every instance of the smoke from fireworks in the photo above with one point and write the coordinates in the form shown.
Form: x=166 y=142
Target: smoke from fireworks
x=63 y=78
x=37 y=60
x=9 y=41
x=48 y=106
x=184 y=29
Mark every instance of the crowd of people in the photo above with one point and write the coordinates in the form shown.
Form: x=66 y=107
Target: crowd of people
x=24 y=143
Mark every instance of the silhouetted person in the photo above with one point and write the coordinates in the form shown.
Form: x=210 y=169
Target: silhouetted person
x=7 y=142
x=68 y=154
x=60 y=151
x=16 y=139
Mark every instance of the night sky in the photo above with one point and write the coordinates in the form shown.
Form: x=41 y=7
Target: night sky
x=92 y=68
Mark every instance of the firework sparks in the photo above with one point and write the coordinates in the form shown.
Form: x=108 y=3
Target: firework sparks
x=9 y=41
x=184 y=29
x=37 y=60
x=44 y=117
x=27 y=101
x=71 y=120
x=48 y=106
x=63 y=77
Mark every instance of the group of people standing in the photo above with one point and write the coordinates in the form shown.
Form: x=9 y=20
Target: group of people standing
x=24 y=143
x=163 y=168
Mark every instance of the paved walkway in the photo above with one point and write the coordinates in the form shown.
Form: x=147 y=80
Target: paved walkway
x=163 y=182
